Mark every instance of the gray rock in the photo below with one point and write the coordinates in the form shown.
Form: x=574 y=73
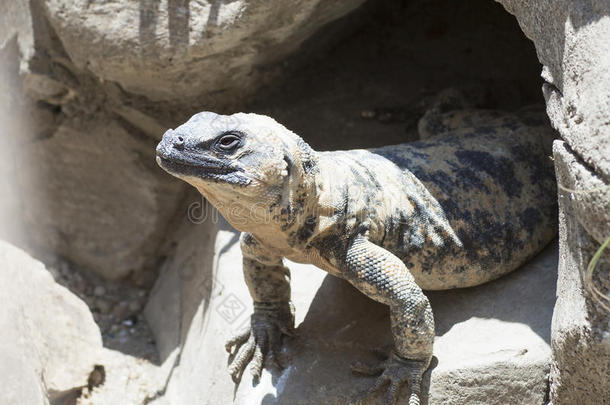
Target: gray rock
x=15 y=21
x=126 y=380
x=99 y=290
x=160 y=49
x=492 y=344
x=186 y=280
x=581 y=326
x=49 y=343
x=571 y=40
x=88 y=185
x=97 y=197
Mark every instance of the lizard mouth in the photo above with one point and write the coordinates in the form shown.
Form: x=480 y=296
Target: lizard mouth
x=203 y=169
x=179 y=165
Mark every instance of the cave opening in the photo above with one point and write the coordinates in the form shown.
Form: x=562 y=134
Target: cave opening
x=364 y=80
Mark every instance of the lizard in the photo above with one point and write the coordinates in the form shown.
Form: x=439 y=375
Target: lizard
x=450 y=211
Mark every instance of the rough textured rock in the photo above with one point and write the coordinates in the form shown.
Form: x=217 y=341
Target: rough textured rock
x=128 y=380
x=581 y=327
x=492 y=344
x=571 y=40
x=15 y=21
x=161 y=48
x=49 y=342
x=106 y=205
x=80 y=176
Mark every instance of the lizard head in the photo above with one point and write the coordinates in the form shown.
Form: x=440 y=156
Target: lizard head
x=228 y=155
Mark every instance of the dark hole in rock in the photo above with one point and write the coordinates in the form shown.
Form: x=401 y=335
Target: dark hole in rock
x=393 y=56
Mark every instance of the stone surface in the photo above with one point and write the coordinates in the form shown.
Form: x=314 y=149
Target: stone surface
x=81 y=177
x=49 y=343
x=15 y=21
x=492 y=344
x=571 y=40
x=105 y=203
x=581 y=326
x=127 y=380
x=160 y=48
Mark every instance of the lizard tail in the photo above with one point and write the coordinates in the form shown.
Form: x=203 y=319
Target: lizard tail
x=414 y=399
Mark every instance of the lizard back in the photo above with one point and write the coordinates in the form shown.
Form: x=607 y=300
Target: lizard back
x=459 y=209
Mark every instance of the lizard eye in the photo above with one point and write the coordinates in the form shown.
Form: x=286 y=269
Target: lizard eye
x=228 y=142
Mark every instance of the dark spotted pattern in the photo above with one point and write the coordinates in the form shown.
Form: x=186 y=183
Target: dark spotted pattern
x=495 y=188
x=500 y=169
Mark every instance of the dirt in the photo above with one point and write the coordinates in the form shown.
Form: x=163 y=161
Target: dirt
x=116 y=308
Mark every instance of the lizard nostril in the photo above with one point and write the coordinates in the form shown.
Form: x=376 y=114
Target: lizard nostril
x=179 y=142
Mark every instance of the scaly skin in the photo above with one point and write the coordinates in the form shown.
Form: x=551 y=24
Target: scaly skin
x=451 y=211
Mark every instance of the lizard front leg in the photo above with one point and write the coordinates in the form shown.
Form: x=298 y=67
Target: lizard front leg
x=268 y=281
x=385 y=278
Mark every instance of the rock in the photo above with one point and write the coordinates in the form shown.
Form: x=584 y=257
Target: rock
x=581 y=326
x=99 y=290
x=106 y=203
x=80 y=177
x=102 y=305
x=126 y=380
x=135 y=306
x=121 y=310
x=49 y=343
x=588 y=195
x=160 y=49
x=186 y=278
x=571 y=40
x=492 y=344
x=15 y=21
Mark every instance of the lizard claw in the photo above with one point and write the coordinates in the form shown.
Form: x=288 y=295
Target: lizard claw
x=393 y=372
x=260 y=344
x=237 y=340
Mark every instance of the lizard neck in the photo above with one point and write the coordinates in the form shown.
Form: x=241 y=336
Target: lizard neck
x=292 y=218
x=282 y=214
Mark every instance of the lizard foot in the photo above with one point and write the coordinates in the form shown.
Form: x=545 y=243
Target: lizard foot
x=261 y=343
x=394 y=371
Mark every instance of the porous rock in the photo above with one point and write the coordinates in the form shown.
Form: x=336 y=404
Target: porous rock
x=571 y=40
x=581 y=325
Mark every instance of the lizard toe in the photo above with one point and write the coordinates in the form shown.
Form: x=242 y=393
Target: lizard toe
x=237 y=340
x=256 y=366
x=241 y=359
x=396 y=371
